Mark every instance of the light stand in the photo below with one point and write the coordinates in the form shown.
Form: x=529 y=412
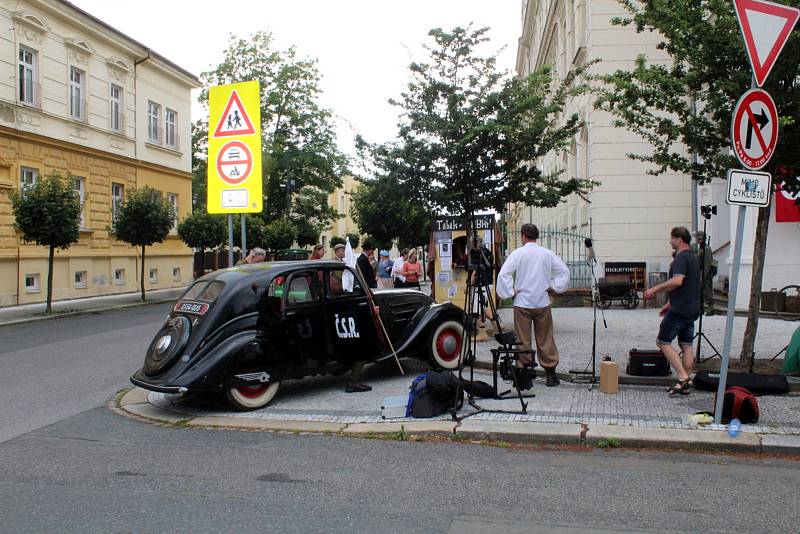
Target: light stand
x=706 y=211
x=591 y=260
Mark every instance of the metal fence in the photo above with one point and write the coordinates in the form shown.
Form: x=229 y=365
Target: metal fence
x=571 y=249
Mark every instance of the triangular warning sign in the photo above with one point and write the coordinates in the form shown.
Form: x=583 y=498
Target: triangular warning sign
x=766 y=27
x=234 y=120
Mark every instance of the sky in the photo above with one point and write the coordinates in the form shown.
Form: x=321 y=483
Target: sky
x=363 y=46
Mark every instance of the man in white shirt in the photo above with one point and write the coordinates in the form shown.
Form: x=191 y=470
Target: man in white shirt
x=537 y=271
x=397 y=269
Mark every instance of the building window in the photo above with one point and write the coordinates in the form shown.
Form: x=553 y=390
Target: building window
x=27 y=177
x=77 y=102
x=119 y=277
x=153 y=130
x=153 y=276
x=117 y=123
x=172 y=198
x=170 y=123
x=80 y=191
x=32 y=283
x=80 y=279
x=117 y=197
x=176 y=274
x=28 y=93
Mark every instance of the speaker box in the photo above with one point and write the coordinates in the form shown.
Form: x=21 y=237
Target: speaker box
x=647 y=363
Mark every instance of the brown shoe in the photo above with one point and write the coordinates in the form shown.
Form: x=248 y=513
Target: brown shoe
x=551 y=377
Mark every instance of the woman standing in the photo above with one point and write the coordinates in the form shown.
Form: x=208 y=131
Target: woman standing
x=412 y=270
x=318 y=252
x=384 y=271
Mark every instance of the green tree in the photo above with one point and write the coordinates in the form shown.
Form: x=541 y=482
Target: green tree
x=355 y=239
x=470 y=136
x=690 y=100
x=48 y=213
x=336 y=240
x=143 y=219
x=203 y=230
x=299 y=150
x=280 y=234
x=255 y=227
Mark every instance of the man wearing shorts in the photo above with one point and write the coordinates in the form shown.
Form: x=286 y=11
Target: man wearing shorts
x=681 y=310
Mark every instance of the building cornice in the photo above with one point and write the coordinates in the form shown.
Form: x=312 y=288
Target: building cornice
x=93 y=152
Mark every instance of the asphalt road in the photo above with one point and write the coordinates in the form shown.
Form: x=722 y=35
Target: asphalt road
x=54 y=369
x=101 y=472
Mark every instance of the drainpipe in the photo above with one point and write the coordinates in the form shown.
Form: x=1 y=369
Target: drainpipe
x=695 y=187
x=135 y=102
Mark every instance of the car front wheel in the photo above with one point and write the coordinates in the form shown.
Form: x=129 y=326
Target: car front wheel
x=445 y=344
x=246 y=398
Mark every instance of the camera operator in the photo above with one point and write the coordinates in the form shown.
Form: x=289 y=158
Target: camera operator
x=537 y=270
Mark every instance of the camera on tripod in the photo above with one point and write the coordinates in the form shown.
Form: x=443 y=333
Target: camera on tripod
x=708 y=210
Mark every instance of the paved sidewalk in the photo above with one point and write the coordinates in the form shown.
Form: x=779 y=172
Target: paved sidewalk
x=66 y=308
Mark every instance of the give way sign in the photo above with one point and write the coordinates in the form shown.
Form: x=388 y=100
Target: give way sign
x=754 y=128
x=766 y=27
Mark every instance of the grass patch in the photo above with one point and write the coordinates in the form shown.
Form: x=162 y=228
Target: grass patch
x=400 y=435
x=609 y=443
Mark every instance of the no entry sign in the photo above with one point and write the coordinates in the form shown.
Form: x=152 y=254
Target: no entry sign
x=754 y=129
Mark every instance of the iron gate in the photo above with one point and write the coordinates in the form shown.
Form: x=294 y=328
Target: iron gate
x=570 y=247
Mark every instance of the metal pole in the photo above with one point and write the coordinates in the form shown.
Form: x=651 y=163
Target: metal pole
x=244 y=236
x=734 y=286
x=230 y=240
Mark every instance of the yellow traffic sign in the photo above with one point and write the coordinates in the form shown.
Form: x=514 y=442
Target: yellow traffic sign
x=234 y=149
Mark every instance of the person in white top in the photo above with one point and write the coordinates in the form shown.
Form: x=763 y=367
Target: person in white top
x=397 y=269
x=537 y=270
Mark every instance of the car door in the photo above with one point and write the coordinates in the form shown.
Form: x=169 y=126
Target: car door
x=305 y=317
x=349 y=317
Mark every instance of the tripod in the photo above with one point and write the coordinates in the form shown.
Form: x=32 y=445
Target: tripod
x=503 y=358
x=706 y=212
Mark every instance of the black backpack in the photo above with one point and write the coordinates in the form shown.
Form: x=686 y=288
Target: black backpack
x=433 y=394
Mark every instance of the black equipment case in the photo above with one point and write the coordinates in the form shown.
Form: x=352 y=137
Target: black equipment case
x=647 y=363
x=758 y=384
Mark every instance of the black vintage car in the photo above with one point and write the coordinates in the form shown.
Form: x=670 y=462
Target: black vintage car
x=245 y=329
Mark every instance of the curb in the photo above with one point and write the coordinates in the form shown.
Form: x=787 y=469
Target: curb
x=134 y=403
x=76 y=313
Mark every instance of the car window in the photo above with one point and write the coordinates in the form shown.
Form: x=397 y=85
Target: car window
x=301 y=290
x=335 y=284
x=194 y=291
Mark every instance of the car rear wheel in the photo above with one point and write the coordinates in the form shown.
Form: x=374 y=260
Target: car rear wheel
x=246 y=398
x=445 y=344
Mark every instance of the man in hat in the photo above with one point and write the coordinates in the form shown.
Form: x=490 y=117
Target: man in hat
x=364 y=264
x=338 y=252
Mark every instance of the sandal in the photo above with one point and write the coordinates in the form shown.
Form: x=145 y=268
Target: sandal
x=681 y=388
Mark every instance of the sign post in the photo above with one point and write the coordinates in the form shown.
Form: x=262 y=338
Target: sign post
x=234 y=154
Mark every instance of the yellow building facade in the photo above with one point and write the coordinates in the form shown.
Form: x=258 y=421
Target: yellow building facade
x=82 y=100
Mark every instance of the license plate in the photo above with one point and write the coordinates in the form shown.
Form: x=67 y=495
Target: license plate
x=191 y=307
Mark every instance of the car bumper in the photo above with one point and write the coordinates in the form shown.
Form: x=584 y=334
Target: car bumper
x=160 y=389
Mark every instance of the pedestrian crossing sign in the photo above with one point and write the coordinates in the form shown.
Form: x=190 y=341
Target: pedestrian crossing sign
x=234 y=149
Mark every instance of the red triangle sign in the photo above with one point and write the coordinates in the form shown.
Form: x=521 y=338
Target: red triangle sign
x=234 y=120
x=765 y=27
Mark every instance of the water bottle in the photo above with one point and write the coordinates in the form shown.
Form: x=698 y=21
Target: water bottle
x=733 y=427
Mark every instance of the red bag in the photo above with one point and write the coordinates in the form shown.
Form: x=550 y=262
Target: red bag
x=740 y=404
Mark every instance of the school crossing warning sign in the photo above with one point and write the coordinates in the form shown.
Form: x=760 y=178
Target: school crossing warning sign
x=234 y=149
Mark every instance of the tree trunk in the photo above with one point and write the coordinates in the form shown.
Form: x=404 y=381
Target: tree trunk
x=141 y=278
x=49 y=307
x=759 y=252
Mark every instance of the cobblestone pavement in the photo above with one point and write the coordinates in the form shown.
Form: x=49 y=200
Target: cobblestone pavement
x=323 y=399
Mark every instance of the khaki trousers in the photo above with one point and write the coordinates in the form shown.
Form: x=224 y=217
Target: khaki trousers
x=542 y=320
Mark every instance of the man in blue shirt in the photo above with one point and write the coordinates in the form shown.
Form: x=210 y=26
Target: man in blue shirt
x=681 y=310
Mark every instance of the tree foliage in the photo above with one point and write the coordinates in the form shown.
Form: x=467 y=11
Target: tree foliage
x=144 y=218
x=470 y=136
x=354 y=239
x=383 y=209
x=280 y=234
x=256 y=230
x=202 y=230
x=337 y=240
x=48 y=213
x=690 y=100
x=298 y=138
